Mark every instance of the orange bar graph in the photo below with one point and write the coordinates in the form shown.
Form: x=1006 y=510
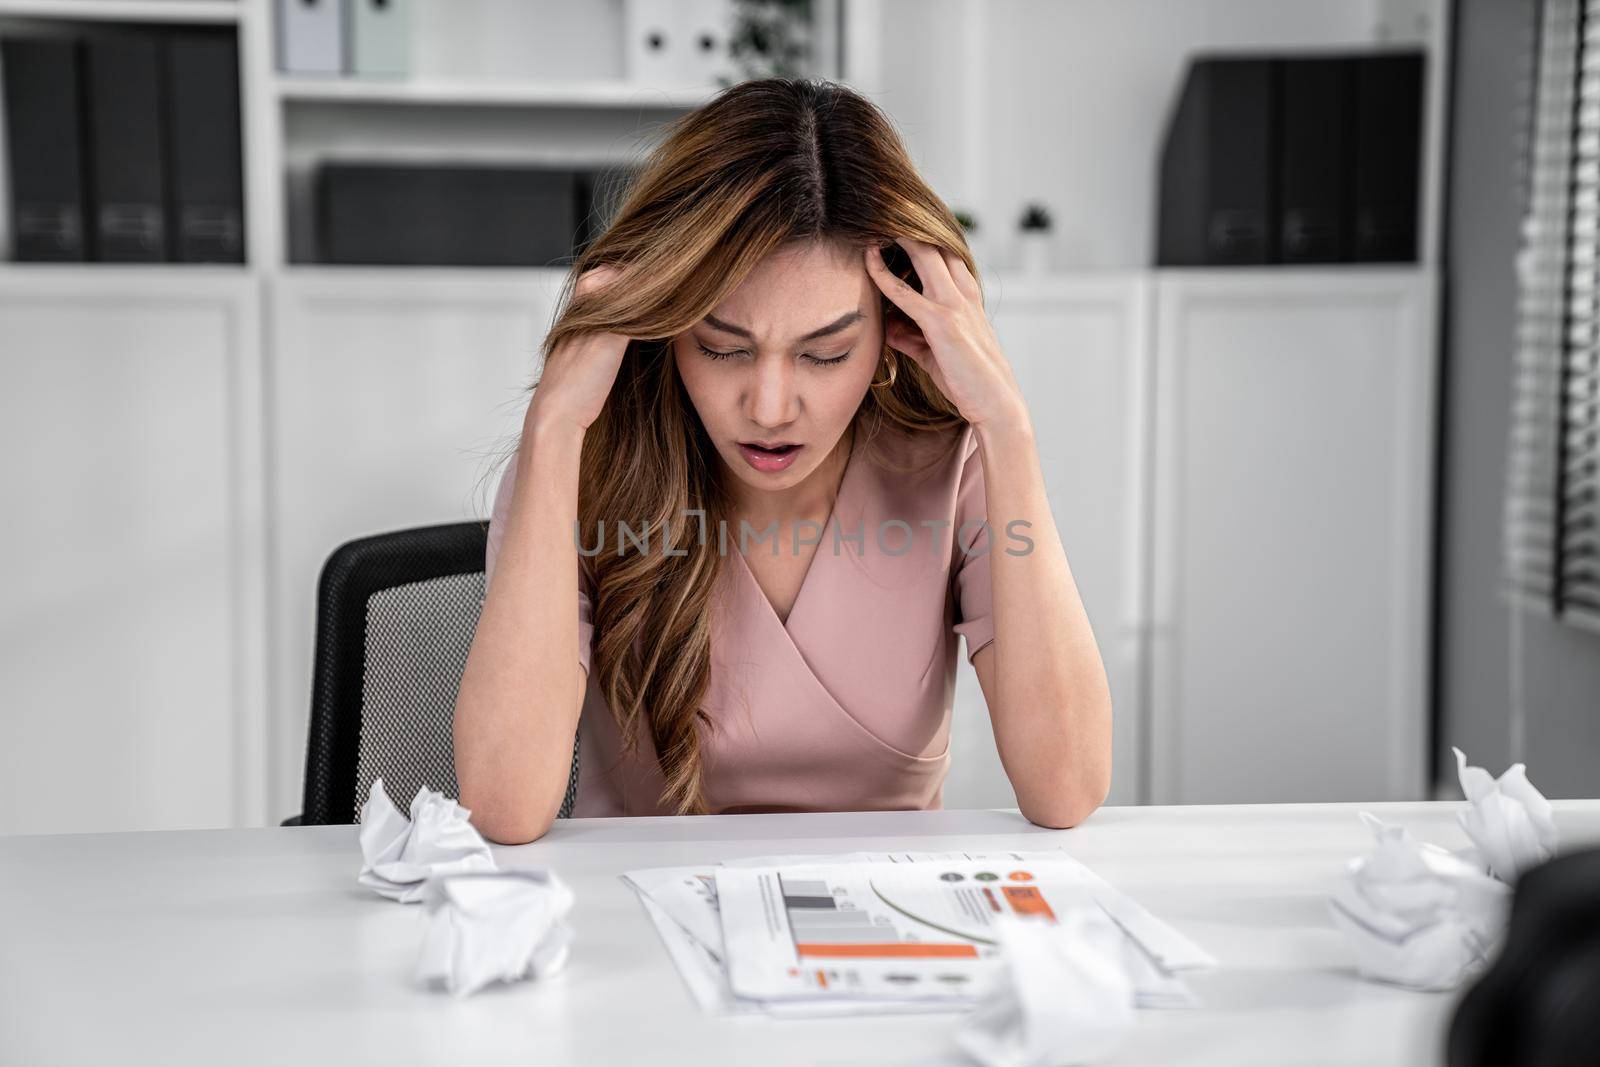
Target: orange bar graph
x=917 y=949
x=1026 y=900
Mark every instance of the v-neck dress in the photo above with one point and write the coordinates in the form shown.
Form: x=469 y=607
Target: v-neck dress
x=845 y=706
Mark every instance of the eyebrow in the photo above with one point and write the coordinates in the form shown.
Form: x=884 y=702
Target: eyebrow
x=847 y=319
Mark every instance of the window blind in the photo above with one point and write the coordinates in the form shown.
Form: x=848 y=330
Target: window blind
x=1552 y=512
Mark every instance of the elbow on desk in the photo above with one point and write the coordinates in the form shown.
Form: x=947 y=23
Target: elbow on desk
x=500 y=823
x=1062 y=818
x=1059 y=788
x=511 y=831
x=1070 y=806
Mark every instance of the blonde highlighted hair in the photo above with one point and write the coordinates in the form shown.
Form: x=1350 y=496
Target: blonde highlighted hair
x=763 y=164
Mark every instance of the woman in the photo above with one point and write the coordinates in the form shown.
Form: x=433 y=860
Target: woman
x=778 y=461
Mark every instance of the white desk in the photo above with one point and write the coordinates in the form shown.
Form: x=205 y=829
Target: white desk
x=257 y=946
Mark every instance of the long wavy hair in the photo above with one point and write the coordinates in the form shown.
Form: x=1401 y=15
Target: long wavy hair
x=762 y=164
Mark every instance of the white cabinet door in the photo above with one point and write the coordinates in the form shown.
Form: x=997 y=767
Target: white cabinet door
x=1293 y=519
x=393 y=394
x=131 y=552
x=1079 y=350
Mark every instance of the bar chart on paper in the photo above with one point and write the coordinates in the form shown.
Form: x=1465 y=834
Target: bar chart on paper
x=826 y=922
x=921 y=930
x=882 y=931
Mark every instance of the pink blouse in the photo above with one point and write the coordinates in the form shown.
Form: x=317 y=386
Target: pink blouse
x=846 y=705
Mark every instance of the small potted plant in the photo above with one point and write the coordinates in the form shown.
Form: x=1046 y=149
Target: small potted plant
x=1033 y=239
x=770 y=39
x=969 y=229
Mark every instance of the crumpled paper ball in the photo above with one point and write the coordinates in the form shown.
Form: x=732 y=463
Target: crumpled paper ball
x=399 y=855
x=1509 y=821
x=500 y=926
x=1418 y=915
x=1064 y=995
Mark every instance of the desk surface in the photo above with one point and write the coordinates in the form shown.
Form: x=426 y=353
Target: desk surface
x=257 y=946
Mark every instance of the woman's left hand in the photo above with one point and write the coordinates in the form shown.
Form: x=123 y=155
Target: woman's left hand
x=946 y=331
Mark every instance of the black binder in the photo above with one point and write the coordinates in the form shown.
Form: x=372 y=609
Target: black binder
x=1217 y=203
x=126 y=124
x=207 y=201
x=49 y=199
x=600 y=194
x=483 y=216
x=1388 y=157
x=1313 y=174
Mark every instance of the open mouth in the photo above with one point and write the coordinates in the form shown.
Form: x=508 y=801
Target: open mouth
x=769 y=456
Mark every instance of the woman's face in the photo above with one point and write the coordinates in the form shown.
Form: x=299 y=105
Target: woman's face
x=778 y=369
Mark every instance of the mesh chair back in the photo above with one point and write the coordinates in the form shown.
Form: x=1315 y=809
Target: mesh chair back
x=395 y=618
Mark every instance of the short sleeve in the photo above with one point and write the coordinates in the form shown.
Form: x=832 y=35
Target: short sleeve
x=497 y=533
x=970 y=570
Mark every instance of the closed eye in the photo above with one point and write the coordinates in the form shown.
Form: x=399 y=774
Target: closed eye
x=815 y=360
x=828 y=362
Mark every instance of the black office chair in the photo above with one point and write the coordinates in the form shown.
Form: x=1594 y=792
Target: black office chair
x=395 y=617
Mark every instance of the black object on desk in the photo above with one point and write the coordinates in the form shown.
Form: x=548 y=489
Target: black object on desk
x=1538 y=1005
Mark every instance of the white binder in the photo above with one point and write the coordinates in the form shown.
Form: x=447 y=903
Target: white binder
x=310 y=36
x=378 y=37
x=677 y=43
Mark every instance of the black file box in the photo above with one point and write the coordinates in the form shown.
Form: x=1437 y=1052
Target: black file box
x=1317 y=121
x=1293 y=159
x=207 y=201
x=1217 y=202
x=413 y=214
x=1388 y=157
x=126 y=125
x=49 y=198
x=600 y=194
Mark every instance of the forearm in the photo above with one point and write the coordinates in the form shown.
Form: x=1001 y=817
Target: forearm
x=522 y=690
x=1051 y=704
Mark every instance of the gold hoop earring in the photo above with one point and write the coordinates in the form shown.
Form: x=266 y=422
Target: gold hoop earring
x=893 y=366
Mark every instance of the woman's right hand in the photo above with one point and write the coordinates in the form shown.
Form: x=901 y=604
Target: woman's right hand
x=579 y=374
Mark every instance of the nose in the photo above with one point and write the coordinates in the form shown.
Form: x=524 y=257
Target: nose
x=772 y=400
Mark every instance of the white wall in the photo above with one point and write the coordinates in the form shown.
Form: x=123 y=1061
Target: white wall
x=1482 y=678
x=1065 y=101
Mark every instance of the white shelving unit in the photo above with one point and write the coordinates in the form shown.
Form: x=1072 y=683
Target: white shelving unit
x=1292 y=507
x=198 y=591
x=289 y=120
x=441 y=93
x=212 y=11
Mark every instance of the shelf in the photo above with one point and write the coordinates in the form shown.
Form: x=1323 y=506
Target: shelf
x=214 y=11
x=379 y=274
x=1259 y=271
x=10 y=269
x=577 y=94
x=74 y=286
